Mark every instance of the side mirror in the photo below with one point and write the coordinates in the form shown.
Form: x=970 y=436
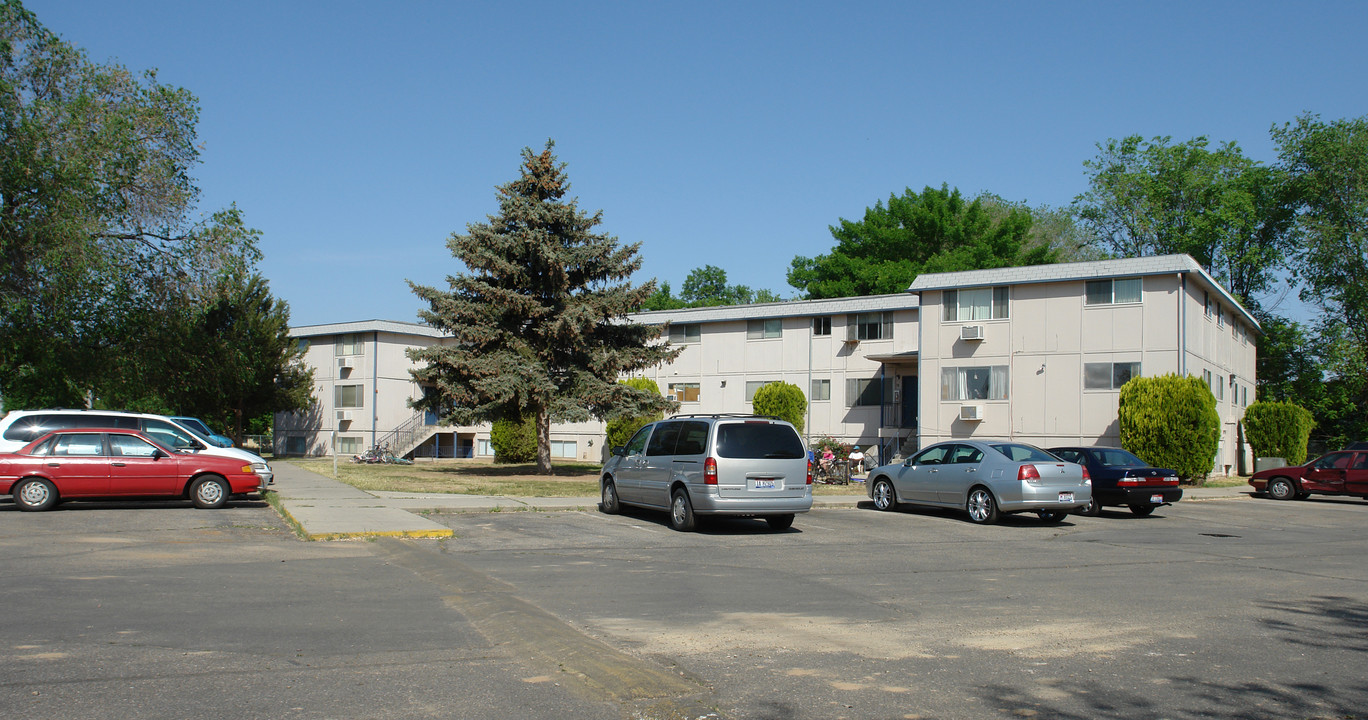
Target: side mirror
x=158 y=453
x=908 y=462
x=619 y=450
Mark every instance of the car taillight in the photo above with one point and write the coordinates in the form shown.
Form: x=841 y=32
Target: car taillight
x=1087 y=479
x=710 y=472
x=809 y=480
x=1028 y=472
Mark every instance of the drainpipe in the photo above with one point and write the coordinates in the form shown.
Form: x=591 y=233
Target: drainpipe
x=375 y=383
x=1182 y=325
x=808 y=424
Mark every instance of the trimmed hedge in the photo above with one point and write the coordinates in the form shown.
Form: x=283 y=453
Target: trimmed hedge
x=514 y=441
x=1278 y=429
x=782 y=400
x=1171 y=421
x=621 y=428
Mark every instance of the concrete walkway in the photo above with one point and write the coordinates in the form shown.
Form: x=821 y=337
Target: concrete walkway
x=328 y=509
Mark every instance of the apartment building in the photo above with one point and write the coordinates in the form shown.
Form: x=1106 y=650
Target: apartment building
x=1037 y=354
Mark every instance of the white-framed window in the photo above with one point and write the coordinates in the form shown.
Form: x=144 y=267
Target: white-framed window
x=988 y=303
x=1206 y=298
x=684 y=392
x=349 y=445
x=1220 y=316
x=864 y=393
x=821 y=390
x=681 y=333
x=563 y=449
x=349 y=345
x=974 y=383
x=1109 y=376
x=302 y=345
x=753 y=386
x=1244 y=396
x=349 y=396
x=821 y=325
x=766 y=329
x=1113 y=291
x=869 y=326
x=483 y=448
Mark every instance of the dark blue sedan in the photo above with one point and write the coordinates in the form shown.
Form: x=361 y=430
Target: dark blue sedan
x=1120 y=478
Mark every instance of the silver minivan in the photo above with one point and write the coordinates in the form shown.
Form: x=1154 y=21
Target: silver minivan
x=693 y=465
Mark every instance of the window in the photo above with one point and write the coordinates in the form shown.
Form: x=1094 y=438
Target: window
x=974 y=383
x=79 y=445
x=684 y=392
x=482 y=447
x=664 y=438
x=348 y=396
x=869 y=326
x=975 y=304
x=296 y=445
x=563 y=449
x=1206 y=299
x=864 y=393
x=685 y=333
x=348 y=345
x=821 y=325
x=1109 y=376
x=349 y=445
x=693 y=438
x=753 y=441
x=1244 y=396
x=302 y=345
x=1220 y=316
x=764 y=329
x=129 y=446
x=637 y=445
x=821 y=390
x=1113 y=292
x=169 y=435
x=754 y=385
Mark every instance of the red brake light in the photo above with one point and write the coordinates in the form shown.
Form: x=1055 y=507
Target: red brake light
x=1086 y=476
x=1028 y=472
x=710 y=472
x=809 y=480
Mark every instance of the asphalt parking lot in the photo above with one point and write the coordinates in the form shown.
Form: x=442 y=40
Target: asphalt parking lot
x=1242 y=608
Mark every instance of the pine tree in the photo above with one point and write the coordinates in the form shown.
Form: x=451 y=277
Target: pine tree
x=539 y=321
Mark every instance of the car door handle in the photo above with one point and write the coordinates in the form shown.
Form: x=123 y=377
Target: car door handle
x=54 y=464
x=972 y=469
x=118 y=464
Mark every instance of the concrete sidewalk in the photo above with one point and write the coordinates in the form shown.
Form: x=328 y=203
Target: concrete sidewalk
x=328 y=509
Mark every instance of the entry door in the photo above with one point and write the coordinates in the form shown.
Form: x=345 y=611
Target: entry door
x=909 y=401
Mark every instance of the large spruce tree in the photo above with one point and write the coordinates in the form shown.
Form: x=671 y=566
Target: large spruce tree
x=539 y=321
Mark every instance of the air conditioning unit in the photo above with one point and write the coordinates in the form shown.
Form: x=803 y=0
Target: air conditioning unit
x=344 y=415
x=972 y=413
x=971 y=332
x=344 y=364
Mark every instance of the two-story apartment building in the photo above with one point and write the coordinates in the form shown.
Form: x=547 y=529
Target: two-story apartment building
x=1037 y=354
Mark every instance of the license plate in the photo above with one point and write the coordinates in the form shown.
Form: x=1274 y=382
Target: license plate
x=762 y=484
x=1156 y=499
x=1066 y=497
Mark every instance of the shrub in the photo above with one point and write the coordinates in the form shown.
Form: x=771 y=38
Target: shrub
x=621 y=428
x=1278 y=429
x=514 y=441
x=1171 y=421
x=782 y=400
x=838 y=448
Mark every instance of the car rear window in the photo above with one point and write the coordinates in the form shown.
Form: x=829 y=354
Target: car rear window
x=1117 y=458
x=1024 y=453
x=753 y=440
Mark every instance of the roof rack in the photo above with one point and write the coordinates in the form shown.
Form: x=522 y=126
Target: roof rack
x=724 y=415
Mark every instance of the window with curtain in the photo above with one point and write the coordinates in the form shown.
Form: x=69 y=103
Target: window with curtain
x=685 y=333
x=349 y=396
x=1113 y=292
x=753 y=386
x=764 y=329
x=864 y=393
x=348 y=345
x=348 y=445
x=563 y=449
x=974 y=383
x=976 y=304
x=869 y=326
x=821 y=390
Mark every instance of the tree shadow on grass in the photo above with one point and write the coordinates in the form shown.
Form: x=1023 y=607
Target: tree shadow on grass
x=529 y=470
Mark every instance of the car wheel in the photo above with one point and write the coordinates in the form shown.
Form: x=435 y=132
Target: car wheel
x=1142 y=510
x=1053 y=516
x=34 y=494
x=681 y=512
x=1092 y=509
x=884 y=497
x=1281 y=488
x=209 y=492
x=779 y=523
x=610 y=504
x=982 y=508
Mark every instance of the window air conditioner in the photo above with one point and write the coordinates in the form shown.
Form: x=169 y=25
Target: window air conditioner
x=971 y=412
x=971 y=332
x=344 y=415
x=344 y=364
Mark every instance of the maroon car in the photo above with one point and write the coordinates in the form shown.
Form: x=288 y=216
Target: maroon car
x=104 y=463
x=1336 y=473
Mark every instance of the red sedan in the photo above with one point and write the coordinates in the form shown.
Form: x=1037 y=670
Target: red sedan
x=105 y=463
x=1338 y=473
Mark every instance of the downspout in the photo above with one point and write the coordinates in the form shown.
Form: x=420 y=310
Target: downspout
x=1182 y=324
x=808 y=424
x=375 y=384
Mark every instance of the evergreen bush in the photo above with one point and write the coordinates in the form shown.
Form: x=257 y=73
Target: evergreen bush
x=622 y=427
x=1278 y=429
x=782 y=400
x=1171 y=421
x=514 y=441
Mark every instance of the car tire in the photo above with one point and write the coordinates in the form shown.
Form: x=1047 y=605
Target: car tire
x=1092 y=509
x=981 y=506
x=209 y=492
x=1053 y=516
x=34 y=495
x=610 y=505
x=885 y=498
x=779 y=523
x=1142 y=510
x=682 y=516
x=1280 y=488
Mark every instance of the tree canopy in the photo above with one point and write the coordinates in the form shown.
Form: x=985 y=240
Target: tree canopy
x=936 y=230
x=706 y=286
x=538 y=323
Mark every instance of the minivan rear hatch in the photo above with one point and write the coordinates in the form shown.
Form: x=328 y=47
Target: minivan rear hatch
x=760 y=458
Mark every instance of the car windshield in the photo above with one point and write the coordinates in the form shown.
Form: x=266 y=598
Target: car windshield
x=194 y=424
x=753 y=440
x=1117 y=458
x=1017 y=452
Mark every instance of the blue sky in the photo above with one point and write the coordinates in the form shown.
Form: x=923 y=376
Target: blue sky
x=357 y=136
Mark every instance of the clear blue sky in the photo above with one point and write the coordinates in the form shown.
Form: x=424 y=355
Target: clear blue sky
x=357 y=136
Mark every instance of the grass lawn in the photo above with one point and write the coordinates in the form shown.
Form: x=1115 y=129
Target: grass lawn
x=482 y=477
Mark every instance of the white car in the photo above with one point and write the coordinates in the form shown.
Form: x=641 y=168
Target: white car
x=20 y=427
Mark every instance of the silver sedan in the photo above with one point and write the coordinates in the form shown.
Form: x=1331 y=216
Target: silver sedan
x=985 y=479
